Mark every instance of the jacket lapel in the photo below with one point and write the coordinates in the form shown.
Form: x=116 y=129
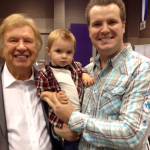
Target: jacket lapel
x=2 y=108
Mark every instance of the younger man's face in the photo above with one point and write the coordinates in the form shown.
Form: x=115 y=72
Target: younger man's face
x=61 y=52
x=106 y=30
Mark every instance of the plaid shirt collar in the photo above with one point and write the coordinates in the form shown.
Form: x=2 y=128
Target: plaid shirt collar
x=118 y=59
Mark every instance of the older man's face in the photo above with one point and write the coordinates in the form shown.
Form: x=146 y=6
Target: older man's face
x=19 y=49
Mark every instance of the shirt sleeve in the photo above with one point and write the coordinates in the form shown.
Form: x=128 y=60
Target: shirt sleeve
x=84 y=70
x=131 y=130
x=54 y=135
x=78 y=67
x=45 y=81
x=41 y=83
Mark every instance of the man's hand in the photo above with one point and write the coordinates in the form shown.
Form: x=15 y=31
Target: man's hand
x=66 y=133
x=62 y=111
x=87 y=80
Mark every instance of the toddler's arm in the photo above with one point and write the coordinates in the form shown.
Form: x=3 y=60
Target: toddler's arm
x=61 y=96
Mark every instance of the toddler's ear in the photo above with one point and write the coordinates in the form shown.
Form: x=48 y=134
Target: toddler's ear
x=48 y=50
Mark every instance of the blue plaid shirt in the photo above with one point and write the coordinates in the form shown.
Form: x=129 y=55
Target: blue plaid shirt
x=116 y=109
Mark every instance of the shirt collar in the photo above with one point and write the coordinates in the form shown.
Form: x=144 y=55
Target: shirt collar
x=121 y=56
x=58 y=67
x=96 y=61
x=9 y=79
x=118 y=59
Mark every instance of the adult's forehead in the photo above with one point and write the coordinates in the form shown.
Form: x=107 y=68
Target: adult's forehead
x=9 y=29
x=111 y=5
x=16 y=26
x=107 y=9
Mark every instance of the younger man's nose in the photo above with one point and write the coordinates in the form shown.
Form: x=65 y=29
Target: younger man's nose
x=105 y=28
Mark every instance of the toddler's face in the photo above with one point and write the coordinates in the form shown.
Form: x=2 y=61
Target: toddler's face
x=61 y=52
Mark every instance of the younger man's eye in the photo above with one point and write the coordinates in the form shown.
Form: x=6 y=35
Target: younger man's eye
x=96 y=24
x=112 y=22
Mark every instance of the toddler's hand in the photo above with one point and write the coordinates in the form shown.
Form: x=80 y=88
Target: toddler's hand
x=61 y=96
x=87 y=80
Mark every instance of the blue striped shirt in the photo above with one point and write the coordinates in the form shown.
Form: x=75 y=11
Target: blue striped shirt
x=116 y=109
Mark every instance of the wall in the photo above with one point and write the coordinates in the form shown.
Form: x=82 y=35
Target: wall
x=43 y=14
x=75 y=10
x=133 y=33
x=41 y=11
x=34 y=8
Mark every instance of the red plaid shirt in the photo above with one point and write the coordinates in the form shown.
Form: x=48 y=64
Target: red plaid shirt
x=46 y=81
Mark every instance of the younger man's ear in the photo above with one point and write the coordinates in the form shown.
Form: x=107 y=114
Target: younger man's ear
x=48 y=50
x=124 y=26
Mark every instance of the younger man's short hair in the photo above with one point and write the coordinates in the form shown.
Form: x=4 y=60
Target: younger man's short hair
x=93 y=3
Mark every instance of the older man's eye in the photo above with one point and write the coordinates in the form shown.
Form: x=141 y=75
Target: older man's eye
x=27 y=41
x=13 y=41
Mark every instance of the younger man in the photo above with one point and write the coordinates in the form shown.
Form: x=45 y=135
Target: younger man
x=63 y=73
x=115 y=110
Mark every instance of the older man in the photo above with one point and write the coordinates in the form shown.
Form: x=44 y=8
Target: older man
x=23 y=120
x=116 y=109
